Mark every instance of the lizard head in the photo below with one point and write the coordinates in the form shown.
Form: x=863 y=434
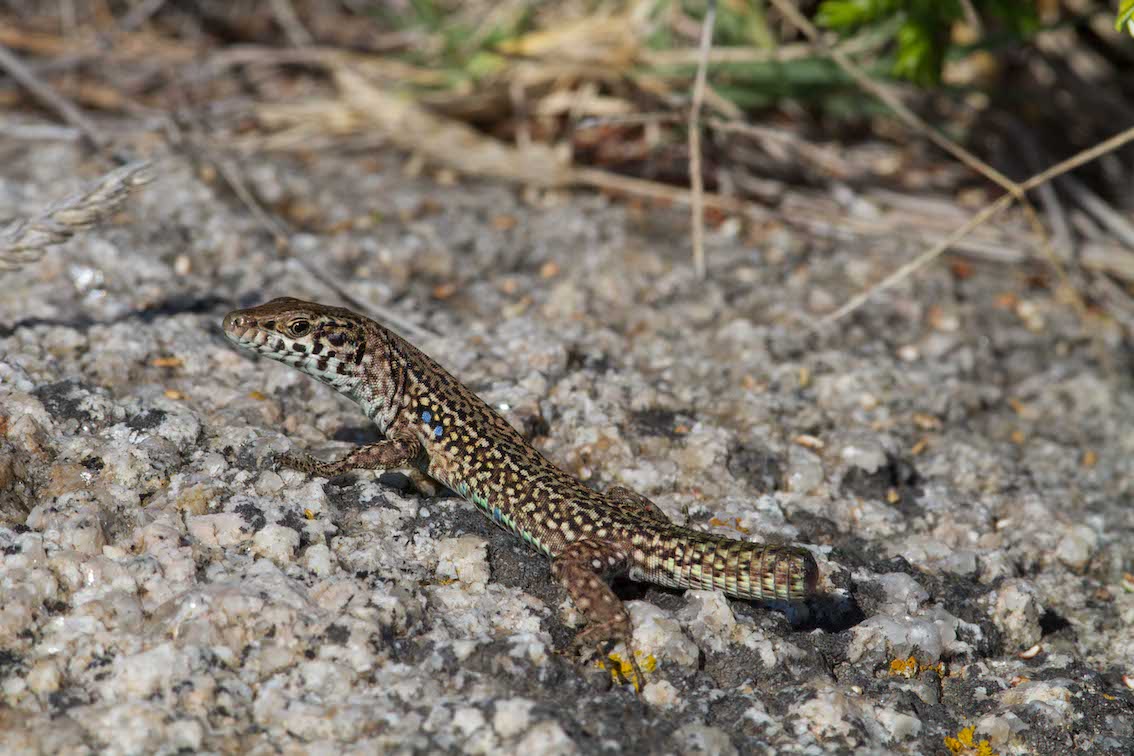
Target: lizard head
x=327 y=343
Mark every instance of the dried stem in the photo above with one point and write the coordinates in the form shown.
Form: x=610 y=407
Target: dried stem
x=49 y=97
x=25 y=241
x=696 y=182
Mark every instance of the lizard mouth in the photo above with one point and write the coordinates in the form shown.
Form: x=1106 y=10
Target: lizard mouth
x=244 y=331
x=246 y=337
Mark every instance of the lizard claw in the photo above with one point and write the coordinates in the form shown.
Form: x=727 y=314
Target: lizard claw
x=616 y=665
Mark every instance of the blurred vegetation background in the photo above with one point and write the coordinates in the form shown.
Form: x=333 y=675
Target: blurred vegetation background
x=795 y=123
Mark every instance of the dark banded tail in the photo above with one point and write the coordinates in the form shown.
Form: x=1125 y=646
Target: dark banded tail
x=740 y=569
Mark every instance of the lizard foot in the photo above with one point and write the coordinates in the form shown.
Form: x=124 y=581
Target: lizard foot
x=599 y=638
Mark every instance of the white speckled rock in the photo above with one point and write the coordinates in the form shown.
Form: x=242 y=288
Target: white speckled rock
x=805 y=470
x=1076 y=548
x=276 y=542
x=221 y=529
x=931 y=553
x=154 y=602
x=467 y=720
x=512 y=716
x=145 y=674
x=701 y=739
x=899 y=726
x=903 y=594
x=318 y=558
x=1050 y=698
x=1016 y=611
x=864 y=452
x=655 y=632
x=879 y=638
x=708 y=618
x=662 y=693
x=464 y=559
x=1000 y=728
x=546 y=738
x=71 y=521
x=828 y=714
x=45 y=677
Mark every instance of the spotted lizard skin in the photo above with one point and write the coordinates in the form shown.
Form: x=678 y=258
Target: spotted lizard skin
x=433 y=423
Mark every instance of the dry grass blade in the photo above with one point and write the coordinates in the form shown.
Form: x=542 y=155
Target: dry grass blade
x=1005 y=200
x=448 y=142
x=25 y=241
x=49 y=97
x=696 y=181
x=287 y=18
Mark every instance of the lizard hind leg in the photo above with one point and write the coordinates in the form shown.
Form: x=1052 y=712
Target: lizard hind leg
x=581 y=568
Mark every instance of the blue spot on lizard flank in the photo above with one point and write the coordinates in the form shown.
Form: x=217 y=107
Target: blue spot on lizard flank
x=426 y=416
x=438 y=431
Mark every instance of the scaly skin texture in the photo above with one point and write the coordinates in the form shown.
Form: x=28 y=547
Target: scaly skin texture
x=434 y=424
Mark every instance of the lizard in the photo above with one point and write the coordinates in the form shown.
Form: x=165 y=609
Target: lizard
x=434 y=424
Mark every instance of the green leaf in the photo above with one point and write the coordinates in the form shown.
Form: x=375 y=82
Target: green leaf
x=919 y=54
x=1125 y=17
x=843 y=15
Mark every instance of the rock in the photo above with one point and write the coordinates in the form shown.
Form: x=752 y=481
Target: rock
x=1016 y=611
x=1076 y=548
x=512 y=716
x=464 y=559
x=276 y=542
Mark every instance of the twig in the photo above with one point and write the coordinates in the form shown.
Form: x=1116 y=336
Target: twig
x=1005 y=200
x=821 y=157
x=972 y=18
x=696 y=181
x=25 y=241
x=616 y=182
x=289 y=21
x=39 y=132
x=689 y=56
x=1095 y=206
x=50 y=98
x=629 y=119
x=138 y=15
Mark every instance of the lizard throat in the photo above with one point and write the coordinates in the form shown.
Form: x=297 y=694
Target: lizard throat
x=327 y=366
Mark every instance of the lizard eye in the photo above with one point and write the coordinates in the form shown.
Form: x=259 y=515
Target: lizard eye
x=300 y=328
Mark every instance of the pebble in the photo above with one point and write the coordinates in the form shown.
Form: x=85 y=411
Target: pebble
x=1016 y=612
x=276 y=542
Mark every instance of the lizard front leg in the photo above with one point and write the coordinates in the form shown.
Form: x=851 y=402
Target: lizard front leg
x=400 y=450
